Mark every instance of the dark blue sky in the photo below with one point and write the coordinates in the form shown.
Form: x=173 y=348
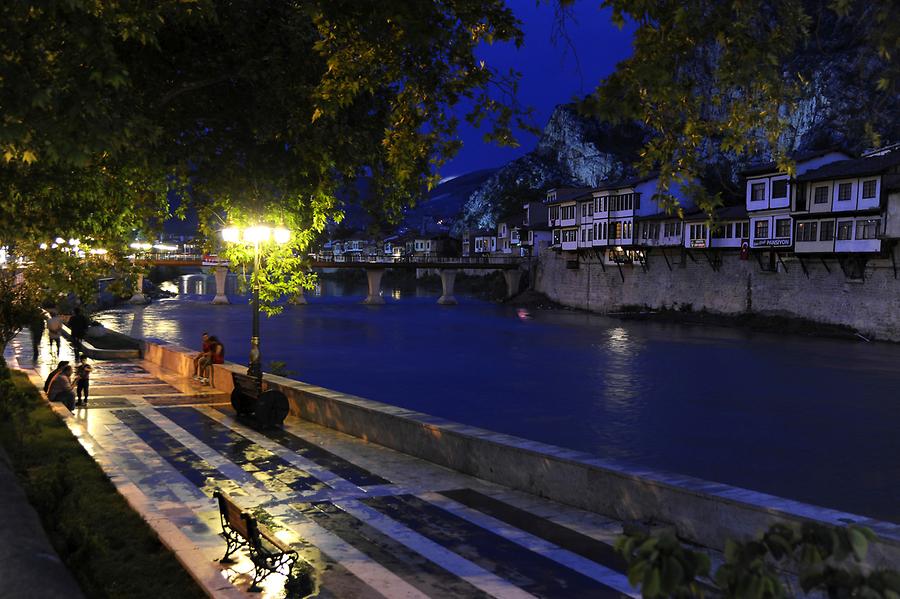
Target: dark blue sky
x=550 y=71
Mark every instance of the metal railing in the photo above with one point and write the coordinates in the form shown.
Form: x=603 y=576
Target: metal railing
x=414 y=259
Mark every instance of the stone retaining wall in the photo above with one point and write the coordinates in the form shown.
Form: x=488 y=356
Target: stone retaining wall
x=703 y=512
x=871 y=306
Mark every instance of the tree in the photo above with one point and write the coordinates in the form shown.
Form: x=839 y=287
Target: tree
x=714 y=79
x=254 y=111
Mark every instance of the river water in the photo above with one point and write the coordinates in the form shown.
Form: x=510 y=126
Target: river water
x=811 y=419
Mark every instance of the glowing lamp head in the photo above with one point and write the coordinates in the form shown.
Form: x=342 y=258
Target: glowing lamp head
x=231 y=235
x=43 y=246
x=257 y=234
x=74 y=241
x=60 y=241
x=281 y=235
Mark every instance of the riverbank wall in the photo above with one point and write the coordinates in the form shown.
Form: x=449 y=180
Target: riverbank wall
x=702 y=512
x=722 y=283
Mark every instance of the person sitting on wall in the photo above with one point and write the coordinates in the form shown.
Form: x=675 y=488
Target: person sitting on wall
x=204 y=353
x=61 y=388
x=53 y=374
x=216 y=356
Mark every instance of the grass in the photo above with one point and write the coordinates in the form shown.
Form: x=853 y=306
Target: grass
x=109 y=549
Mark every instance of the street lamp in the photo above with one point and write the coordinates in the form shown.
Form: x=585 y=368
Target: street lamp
x=256 y=235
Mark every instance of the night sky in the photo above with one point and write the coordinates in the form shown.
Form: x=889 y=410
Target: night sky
x=550 y=73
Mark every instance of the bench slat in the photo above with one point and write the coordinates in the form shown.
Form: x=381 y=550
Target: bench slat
x=271 y=538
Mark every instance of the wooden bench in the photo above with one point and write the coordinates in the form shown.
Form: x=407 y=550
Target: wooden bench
x=241 y=529
x=269 y=408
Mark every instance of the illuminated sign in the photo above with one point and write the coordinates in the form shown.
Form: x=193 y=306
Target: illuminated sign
x=777 y=242
x=698 y=243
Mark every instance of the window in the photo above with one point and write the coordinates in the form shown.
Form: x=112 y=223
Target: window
x=556 y=237
x=741 y=230
x=820 y=195
x=845 y=230
x=868 y=228
x=845 y=191
x=585 y=210
x=826 y=231
x=569 y=235
x=567 y=212
x=718 y=232
x=868 y=191
x=698 y=231
x=807 y=231
x=761 y=229
x=615 y=230
x=779 y=189
x=782 y=227
x=554 y=212
x=758 y=192
x=604 y=230
x=590 y=234
x=583 y=236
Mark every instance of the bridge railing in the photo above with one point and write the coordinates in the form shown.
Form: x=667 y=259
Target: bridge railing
x=416 y=259
x=352 y=258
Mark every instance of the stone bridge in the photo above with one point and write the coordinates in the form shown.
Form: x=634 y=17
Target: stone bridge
x=447 y=267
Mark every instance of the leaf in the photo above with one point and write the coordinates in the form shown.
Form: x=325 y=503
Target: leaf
x=859 y=543
x=651 y=586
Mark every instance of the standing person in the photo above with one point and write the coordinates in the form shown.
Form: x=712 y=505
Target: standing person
x=55 y=371
x=78 y=324
x=54 y=330
x=61 y=388
x=204 y=353
x=216 y=356
x=36 y=326
x=82 y=382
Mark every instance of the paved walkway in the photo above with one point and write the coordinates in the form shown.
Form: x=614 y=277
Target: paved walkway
x=373 y=522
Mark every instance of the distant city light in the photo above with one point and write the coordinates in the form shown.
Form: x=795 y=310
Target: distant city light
x=43 y=246
x=140 y=246
x=165 y=247
x=74 y=241
x=60 y=240
x=98 y=251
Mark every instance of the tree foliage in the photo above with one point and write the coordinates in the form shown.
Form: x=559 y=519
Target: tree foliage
x=714 y=78
x=828 y=560
x=251 y=111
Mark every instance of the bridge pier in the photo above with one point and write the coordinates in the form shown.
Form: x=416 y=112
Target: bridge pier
x=513 y=277
x=221 y=273
x=374 y=276
x=448 y=278
x=139 y=297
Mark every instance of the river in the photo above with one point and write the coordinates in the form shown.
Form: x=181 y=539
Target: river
x=812 y=419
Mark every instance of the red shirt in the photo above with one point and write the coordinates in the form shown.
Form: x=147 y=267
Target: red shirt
x=217 y=356
x=205 y=347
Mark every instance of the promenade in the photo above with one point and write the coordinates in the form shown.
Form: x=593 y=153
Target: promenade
x=373 y=522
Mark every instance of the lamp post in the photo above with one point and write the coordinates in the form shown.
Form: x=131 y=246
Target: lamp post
x=256 y=235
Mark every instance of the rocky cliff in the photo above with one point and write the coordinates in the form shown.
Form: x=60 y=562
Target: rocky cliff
x=572 y=150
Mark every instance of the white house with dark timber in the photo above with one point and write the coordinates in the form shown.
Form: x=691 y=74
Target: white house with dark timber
x=770 y=194
x=562 y=216
x=629 y=216
x=850 y=206
x=536 y=234
x=729 y=228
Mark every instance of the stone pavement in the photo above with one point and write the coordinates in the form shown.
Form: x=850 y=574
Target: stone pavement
x=372 y=522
